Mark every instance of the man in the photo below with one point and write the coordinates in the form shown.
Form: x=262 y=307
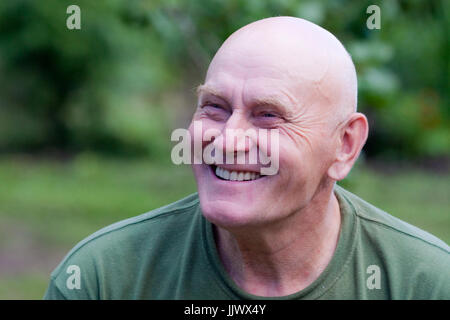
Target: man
x=292 y=234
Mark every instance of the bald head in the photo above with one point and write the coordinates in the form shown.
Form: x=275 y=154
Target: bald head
x=303 y=52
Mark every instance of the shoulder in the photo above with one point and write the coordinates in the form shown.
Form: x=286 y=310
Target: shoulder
x=377 y=219
x=417 y=261
x=116 y=246
x=149 y=224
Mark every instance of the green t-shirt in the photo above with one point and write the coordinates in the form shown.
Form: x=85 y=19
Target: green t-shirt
x=170 y=253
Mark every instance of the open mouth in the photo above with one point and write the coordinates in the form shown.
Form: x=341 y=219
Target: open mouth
x=225 y=174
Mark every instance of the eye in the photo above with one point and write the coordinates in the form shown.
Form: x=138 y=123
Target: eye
x=267 y=118
x=267 y=114
x=215 y=111
x=212 y=105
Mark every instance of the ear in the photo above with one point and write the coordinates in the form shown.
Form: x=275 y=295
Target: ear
x=352 y=137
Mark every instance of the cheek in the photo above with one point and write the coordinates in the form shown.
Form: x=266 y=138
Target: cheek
x=203 y=131
x=296 y=143
x=304 y=156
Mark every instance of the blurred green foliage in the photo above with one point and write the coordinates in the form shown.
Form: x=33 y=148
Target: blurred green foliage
x=103 y=88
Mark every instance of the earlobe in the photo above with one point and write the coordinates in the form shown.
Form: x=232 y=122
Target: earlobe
x=353 y=137
x=337 y=171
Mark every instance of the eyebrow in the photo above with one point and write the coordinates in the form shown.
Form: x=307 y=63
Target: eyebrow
x=205 y=89
x=270 y=100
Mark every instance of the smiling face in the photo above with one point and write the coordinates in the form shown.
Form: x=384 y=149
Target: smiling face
x=261 y=80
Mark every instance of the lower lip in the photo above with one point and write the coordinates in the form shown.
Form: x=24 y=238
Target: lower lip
x=212 y=170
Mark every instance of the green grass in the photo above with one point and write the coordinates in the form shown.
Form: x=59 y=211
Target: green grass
x=64 y=201
x=47 y=206
x=25 y=286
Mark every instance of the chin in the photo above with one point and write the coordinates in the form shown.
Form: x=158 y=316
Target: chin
x=227 y=216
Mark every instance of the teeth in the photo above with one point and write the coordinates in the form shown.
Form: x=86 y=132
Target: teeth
x=236 y=175
x=218 y=172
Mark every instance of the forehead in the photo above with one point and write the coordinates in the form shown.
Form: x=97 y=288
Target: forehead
x=277 y=67
x=250 y=90
x=274 y=52
x=258 y=83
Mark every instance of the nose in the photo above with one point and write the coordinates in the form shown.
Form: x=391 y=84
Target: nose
x=237 y=135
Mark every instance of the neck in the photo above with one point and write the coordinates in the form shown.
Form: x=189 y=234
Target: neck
x=284 y=257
